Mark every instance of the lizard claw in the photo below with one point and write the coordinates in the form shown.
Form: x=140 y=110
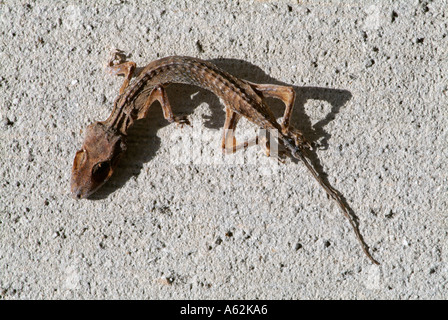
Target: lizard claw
x=307 y=145
x=281 y=158
x=299 y=140
x=181 y=121
x=117 y=57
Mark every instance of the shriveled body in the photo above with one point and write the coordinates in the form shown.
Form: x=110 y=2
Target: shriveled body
x=105 y=141
x=95 y=162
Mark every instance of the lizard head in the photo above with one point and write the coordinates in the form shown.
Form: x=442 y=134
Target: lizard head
x=95 y=162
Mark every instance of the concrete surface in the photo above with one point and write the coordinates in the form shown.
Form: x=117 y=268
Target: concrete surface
x=179 y=221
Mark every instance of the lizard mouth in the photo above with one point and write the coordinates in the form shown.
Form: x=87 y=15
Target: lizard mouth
x=77 y=196
x=79 y=193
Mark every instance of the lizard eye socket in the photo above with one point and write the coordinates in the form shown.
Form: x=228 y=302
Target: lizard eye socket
x=80 y=158
x=101 y=171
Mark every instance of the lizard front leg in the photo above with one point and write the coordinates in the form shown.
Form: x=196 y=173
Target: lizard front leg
x=159 y=94
x=118 y=65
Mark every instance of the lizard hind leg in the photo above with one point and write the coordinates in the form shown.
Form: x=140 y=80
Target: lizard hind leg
x=159 y=94
x=287 y=95
x=229 y=144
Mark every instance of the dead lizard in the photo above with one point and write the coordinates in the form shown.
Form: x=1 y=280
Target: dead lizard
x=105 y=141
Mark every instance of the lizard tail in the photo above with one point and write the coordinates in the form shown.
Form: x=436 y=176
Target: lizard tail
x=297 y=153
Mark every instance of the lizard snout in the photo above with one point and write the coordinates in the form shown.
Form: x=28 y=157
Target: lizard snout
x=77 y=195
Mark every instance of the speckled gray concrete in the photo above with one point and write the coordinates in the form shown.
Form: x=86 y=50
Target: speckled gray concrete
x=371 y=81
